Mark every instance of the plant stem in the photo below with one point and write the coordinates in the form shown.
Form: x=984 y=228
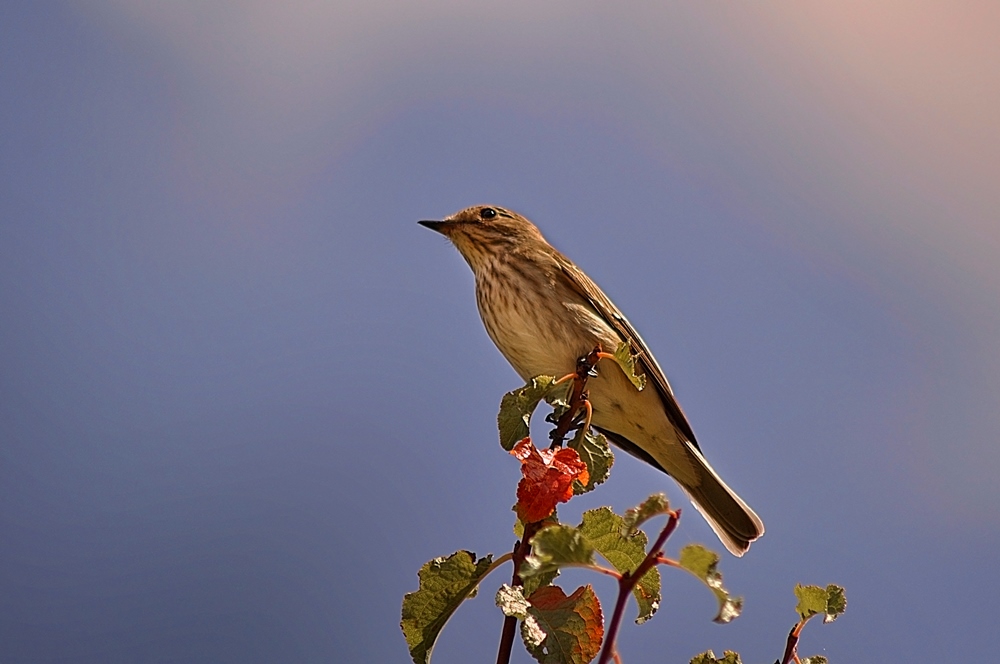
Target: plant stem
x=577 y=402
x=521 y=550
x=578 y=397
x=628 y=581
x=792 y=643
x=506 y=639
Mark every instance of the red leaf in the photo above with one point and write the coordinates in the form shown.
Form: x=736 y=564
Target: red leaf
x=573 y=626
x=548 y=479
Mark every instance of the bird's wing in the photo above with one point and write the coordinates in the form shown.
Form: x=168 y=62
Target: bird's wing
x=654 y=374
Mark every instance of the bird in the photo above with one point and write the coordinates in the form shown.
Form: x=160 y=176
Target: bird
x=544 y=313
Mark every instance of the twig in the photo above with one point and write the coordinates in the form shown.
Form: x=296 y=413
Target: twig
x=578 y=398
x=628 y=581
x=792 y=643
x=578 y=404
x=663 y=560
x=521 y=550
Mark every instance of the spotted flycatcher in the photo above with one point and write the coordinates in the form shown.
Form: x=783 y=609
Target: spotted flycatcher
x=544 y=313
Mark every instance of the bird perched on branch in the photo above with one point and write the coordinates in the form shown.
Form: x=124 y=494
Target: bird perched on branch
x=544 y=313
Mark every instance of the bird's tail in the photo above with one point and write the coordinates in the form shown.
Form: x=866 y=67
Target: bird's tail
x=732 y=519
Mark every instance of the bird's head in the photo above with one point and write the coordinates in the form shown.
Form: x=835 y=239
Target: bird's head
x=484 y=232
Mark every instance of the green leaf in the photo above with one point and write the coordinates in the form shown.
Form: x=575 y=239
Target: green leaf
x=554 y=547
x=561 y=629
x=836 y=602
x=654 y=505
x=558 y=398
x=512 y=602
x=708 y=657
x=815 y=659
x=516 y=407
x=594 y=451
x=813 y=600
x=533 y=583
x=444 y=584
x=626 y=360
x=519 y=525
x=605 y=531
x=702 y=563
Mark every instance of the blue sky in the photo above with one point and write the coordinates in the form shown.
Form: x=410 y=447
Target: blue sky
x=243 y=396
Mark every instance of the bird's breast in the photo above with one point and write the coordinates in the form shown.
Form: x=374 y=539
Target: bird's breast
x=540 y=326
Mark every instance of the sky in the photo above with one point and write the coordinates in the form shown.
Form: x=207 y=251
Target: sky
x=244 y=396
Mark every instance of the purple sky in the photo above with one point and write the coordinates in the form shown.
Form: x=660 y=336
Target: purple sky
x=244 y=397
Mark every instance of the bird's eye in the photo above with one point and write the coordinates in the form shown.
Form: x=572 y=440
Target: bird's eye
x=487 y=213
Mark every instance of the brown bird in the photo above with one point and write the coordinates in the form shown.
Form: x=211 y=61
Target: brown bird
x=544 y=313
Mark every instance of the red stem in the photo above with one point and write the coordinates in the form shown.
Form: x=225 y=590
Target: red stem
x=577 y=396
x=792 y=643
x=521 y=550
x=577 y=401
x=506 y=639
x=628 y=582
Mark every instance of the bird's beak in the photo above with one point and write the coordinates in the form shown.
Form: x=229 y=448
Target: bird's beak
x=434 y=225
